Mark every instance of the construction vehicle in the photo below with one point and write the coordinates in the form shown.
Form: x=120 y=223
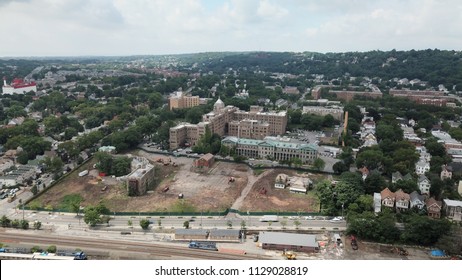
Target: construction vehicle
x=211 y=246
x=289 y=255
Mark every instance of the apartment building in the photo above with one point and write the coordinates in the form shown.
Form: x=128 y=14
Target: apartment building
x=337 y=113
x=141 y=178
x=179 y=100
x=229 y=120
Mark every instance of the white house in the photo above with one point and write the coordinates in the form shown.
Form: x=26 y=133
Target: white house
x=417 y=200
x=421 y=167
x=424 y=184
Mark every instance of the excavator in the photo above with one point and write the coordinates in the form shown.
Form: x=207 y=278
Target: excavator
x=289 y=255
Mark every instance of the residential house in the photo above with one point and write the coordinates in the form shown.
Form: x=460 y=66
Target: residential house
x=446 y=172
x=456 y=168
x=377 y=203
x=16 y=121
x=422 y=167
x=388 y=198
x=396 y=176
x=402 y=200
x=433 y=208
x=453 y=209
x=424 y=184
x=299 y=184
x=281 y=181
x=370 y=140
x=417 y=200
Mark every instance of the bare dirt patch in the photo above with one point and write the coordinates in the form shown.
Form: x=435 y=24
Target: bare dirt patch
x=208 y=192
x=205 y=192
x=276 y=200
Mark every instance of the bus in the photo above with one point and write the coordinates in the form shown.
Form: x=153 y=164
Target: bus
x=269 y=218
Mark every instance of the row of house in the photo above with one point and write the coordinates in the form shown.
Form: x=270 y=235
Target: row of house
x=423 y=183
x=401 y=201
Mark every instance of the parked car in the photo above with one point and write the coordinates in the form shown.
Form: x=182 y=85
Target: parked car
x=335 y=220
x=309 y=218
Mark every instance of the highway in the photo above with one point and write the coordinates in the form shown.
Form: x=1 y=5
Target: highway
x=122 y=222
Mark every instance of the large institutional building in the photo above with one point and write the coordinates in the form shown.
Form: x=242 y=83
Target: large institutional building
x=229 y=120
x=274 y=148
x=178 y=100
x=18 y=86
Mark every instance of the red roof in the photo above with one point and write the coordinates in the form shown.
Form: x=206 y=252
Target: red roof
x=19 y=83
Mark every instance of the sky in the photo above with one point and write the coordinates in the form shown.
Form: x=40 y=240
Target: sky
x=157 y=27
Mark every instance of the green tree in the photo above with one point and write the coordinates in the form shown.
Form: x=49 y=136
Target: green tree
x=24 y=224
x=243 y=225
x=319 y=164
x=51 y=249
x=297 y=224
x=370 y=158
x=37 y=225
x=15 y=223
x=186 y=224
x=34 y=190
x=374 y=183
x=144 y=223
x=451 y=242
x=340 y=167
x=424 y=230
x=5 y=221
x=92 y=217
x=283 y=224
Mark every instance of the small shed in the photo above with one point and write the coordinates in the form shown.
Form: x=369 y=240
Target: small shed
x=191 y=234
x=289 y=241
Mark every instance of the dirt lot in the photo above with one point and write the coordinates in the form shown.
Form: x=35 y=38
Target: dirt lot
x=202 y=192
x=278 y=199
x=210 y=191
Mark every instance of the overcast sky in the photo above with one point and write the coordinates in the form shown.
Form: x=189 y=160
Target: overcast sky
x=132 y=27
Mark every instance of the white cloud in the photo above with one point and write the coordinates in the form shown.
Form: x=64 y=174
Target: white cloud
x=112 y=27
x=269 y=10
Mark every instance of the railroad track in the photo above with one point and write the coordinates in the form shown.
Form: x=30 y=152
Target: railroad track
x=105 y=246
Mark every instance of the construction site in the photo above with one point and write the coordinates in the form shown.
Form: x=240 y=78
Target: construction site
x=183 y=184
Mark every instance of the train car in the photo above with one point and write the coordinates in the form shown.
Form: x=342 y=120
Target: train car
x=34 y=256
x=211 y=246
